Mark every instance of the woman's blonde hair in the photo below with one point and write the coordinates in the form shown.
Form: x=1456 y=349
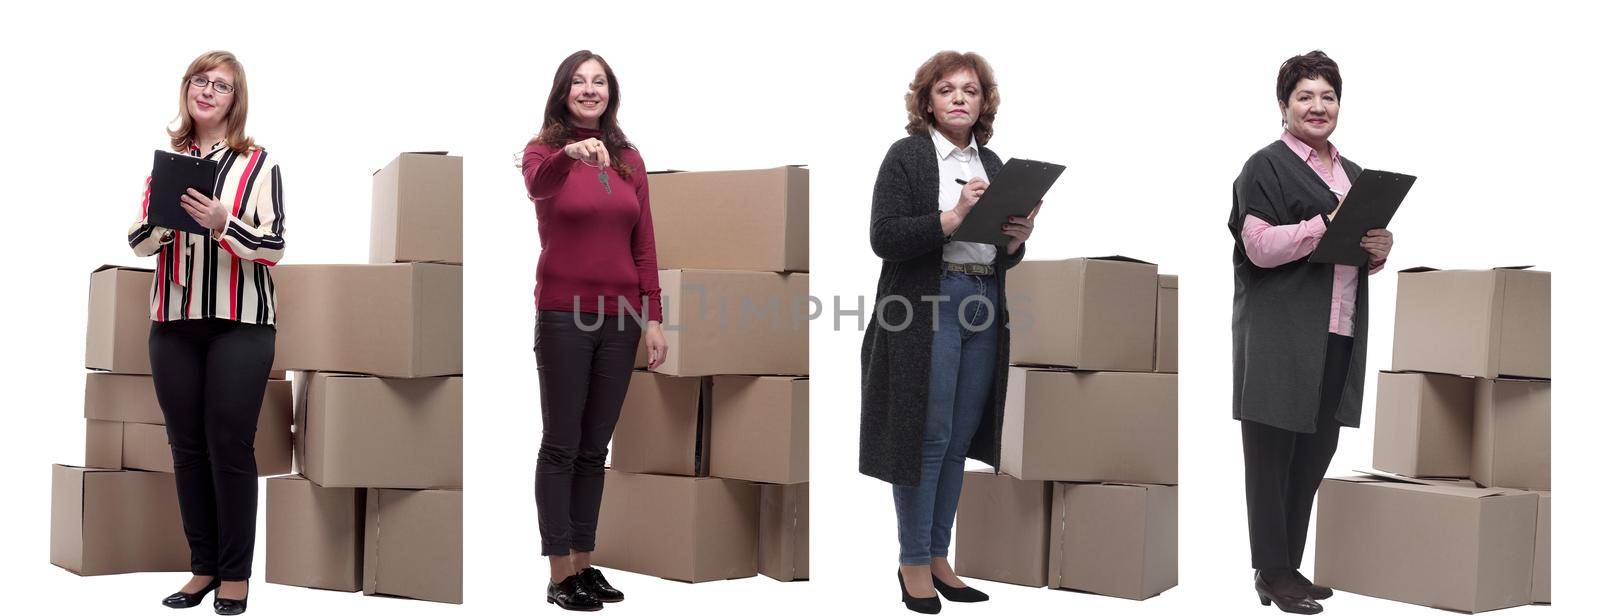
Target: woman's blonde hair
x=237 y=112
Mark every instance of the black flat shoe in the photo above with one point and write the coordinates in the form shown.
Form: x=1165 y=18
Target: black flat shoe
x=1292 y=600
x=966 y=594
x=229 y=607
x=592 y=580
x=1315 y=591
x=182 y=600
x=920 y=605
x=569 y=594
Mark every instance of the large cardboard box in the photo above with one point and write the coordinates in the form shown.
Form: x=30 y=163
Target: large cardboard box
x=400 y=320
x=412 y=544
x=727 y=322
x=1087 y=313
x=662 y=424
x=119 y=320
x=1483 y=323
x=1003 y=529
x=690 y=529
x=116 y=439
x=314 y=534
x=760 y=428
x=1511 y=434
x=1424 y=424
x=112 y=521
x=1063 y=425
x=1167 y=324
x=1541 y=552
x=1449 y=545
x=416 y=209
x=1119 y=540
x=783 y=547
x=364 y=431
x=757 y=220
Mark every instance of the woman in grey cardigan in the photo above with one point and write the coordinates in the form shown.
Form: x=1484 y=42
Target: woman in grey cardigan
x=934 y=357
x=1299 y=328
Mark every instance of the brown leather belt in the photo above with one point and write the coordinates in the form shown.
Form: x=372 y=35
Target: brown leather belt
x=975 y=269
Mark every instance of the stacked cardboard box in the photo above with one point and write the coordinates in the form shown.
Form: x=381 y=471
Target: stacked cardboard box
x=1459 y=518
x=709 y=465
x=1086 y=495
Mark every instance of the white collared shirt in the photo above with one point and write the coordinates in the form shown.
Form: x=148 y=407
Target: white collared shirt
x=964 y=164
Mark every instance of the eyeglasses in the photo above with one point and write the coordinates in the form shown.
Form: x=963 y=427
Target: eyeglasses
x=200 y=81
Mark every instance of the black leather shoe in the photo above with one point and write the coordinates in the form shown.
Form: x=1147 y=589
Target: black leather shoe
x=569 y=594
x=181 y=600
x=594 y=582
x=1313 y=590
x=966 y=594
x=229 y=607
x=920 y=605
x=1288 y=597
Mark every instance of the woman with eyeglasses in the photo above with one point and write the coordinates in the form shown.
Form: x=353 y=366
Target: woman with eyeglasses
x=595 y=283
x=211 y=338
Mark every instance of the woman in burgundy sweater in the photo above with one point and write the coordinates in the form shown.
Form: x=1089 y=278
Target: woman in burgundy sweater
x=596 y=283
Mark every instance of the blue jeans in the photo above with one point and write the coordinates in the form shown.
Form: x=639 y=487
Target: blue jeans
x=965 y=337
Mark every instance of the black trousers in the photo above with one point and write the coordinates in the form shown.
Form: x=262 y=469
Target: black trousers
x=583 y=378
x=1283 y=469
x=210 y=375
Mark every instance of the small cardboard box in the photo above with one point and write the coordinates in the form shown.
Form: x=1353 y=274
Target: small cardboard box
x=1442 y=544
x=1541 y=552
x=661 y=426
x=123 y=397
x=416 y=209
x=1167 y=324
x=1511 y=434
x=1483 y=323
x=365 y=431
x=115 y=441
x=755 y=220
x=1119 y=540
x=690 y=529
x=728 y=322
x=118 y=337
x=1424 y=425
x=1063 y=425
x=314 y=534
x=112 y=521
x=400 y=320
x=760 y=428
x=412 y=544
x=1003 y=529
x=783 y=547
x=1086 y=313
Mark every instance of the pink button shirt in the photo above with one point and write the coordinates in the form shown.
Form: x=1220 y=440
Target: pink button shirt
x=1272 y=245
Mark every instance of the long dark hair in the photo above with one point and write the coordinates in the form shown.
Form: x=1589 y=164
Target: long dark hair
x=557 y=128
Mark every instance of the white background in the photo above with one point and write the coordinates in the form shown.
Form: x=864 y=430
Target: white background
x=1153 y=107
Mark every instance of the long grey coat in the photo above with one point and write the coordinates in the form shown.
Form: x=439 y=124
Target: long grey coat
x=1280 y=314
x=895 y=364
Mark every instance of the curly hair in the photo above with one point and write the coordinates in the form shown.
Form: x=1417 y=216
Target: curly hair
x=919 y=94
x=1308 y=66
x=557 y=129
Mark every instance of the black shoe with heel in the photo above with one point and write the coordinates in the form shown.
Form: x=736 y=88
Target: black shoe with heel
x=1288 y=597
x=595 y=582
x=920 y=605
x=966 y=594
x=230 y=607
x=181 y=600
x=1313 y=590
x=570 y=594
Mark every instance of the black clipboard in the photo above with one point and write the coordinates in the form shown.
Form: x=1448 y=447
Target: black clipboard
x=1014 y=191
x=1374 y=197
x=171 y=176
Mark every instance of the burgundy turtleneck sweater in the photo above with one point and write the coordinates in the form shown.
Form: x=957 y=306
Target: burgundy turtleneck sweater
x=598 y=248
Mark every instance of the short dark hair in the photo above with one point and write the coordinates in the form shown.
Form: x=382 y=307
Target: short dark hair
x=1308 y=66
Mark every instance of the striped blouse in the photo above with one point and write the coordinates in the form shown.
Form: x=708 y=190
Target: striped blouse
x=223 y=275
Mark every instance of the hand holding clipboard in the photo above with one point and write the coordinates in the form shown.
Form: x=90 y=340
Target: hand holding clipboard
x=1374 y=198
x=1016 y=193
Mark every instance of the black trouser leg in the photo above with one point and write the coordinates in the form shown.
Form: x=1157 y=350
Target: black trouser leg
x=178 y=368
x=609 y=375
x=1313 y=452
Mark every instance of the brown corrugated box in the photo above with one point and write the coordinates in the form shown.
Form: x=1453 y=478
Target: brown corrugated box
x=1119 y=540
x=112 y=521
x=314 y=534
x=1088 y=313
x=690 y=529
x=117 y=438
x=1003 y=529
x=760 y=428
x=755 y=220
x=412 y=546
x=1424 y=424
x=118 y=337
x=399 y=320
x=1511 y=434
x=416 y=209
x=1484 y=323
x=1167 y=324
x=728 y=322
x=1541 y=552
x=123 y=397
x=1443 y=544
x=364 y=431
x=783 y=547
x=661 y=425
x=1091 y=426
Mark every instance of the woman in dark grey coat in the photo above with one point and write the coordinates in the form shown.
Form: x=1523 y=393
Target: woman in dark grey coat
x=1299 y=328
x=934 y=358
